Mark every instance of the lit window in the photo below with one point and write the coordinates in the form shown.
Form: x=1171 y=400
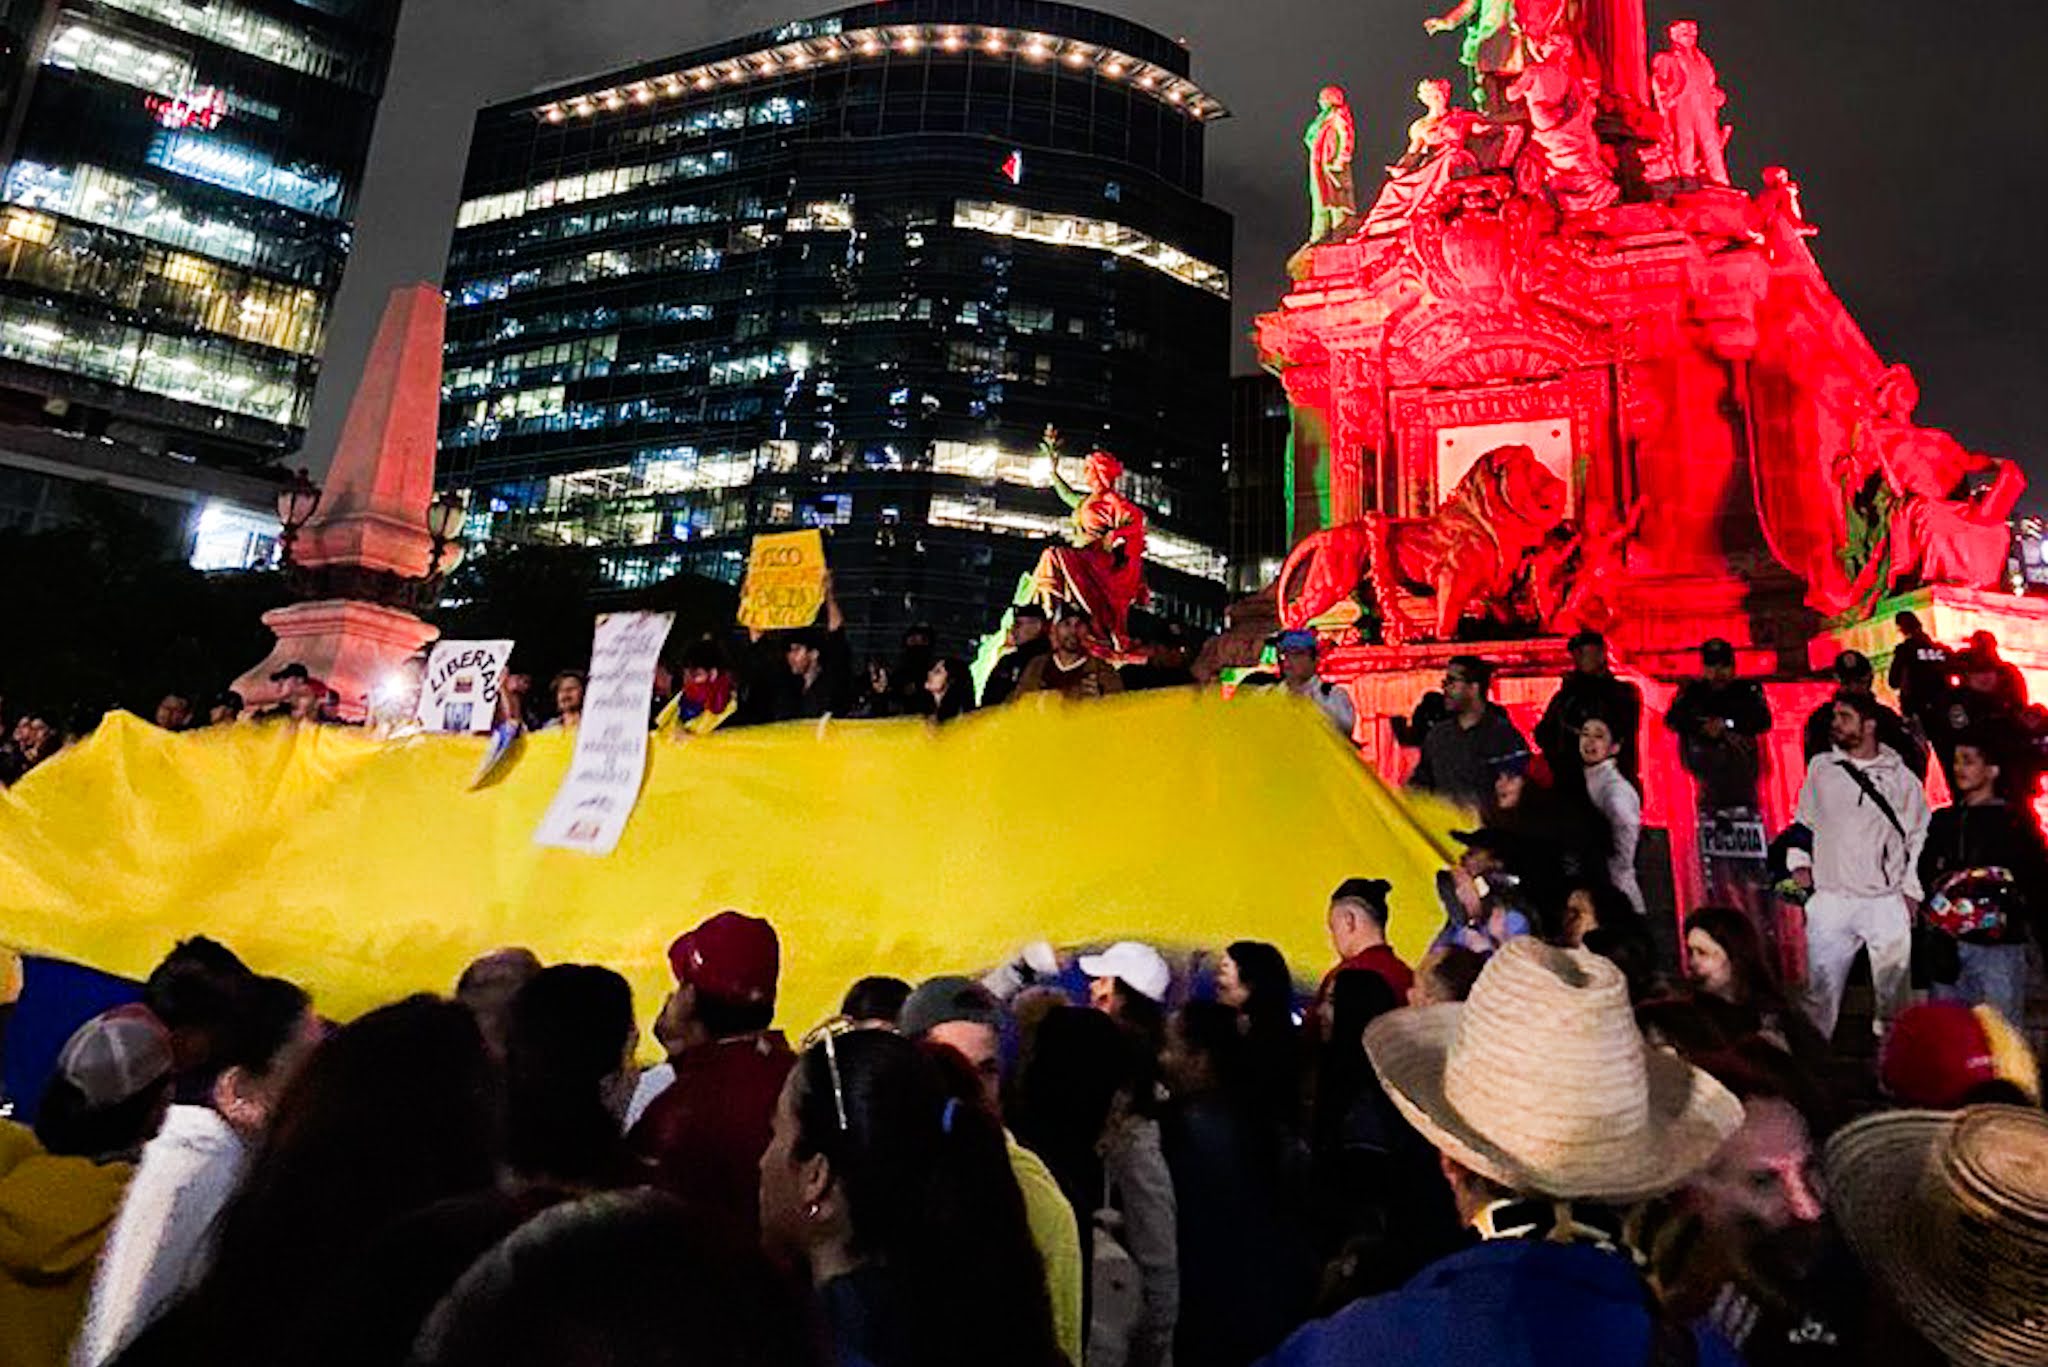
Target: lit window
x=257 y=34
x=1091 y=234
x=78 y=46
x=217 y=161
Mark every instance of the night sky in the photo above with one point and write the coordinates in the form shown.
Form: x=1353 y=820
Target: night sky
x=1919 y=131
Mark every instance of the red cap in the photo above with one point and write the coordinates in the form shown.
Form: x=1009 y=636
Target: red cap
x=731 y=957
x=1935 y=1055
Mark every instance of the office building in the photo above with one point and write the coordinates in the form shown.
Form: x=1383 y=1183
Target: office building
x=843 y=275
x=1260 y=434
x=174 y=213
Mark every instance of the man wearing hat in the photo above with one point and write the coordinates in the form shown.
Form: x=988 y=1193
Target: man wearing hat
x=962 y=1015
x=1852 y=673
x=1948 y=1212
x=703 y=1136
x=1027 y=643
x=1298 y=651
x=61 y=1186
x=1717 y=719
x=1551 y=1115
x=1590 y=689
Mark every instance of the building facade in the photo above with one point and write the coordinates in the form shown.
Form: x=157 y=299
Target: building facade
x=844 y=275
x=174 y=213
x=1260 y=435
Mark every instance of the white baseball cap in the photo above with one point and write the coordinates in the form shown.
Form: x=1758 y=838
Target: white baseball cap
x=1140 y=965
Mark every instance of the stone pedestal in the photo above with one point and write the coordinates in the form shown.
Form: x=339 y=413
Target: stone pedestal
x=350 y=646
x=362 y=558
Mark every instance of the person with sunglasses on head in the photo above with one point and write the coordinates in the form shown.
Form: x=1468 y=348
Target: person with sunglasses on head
x=886 y=1180
x=702 y=1135
x=1457 y=753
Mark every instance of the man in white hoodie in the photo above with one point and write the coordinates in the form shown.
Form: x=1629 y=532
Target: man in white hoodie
x=162 y=1240
x=1868 y=815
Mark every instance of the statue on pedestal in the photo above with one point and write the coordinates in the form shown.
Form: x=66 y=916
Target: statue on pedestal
x=1436 y=156
x=1689 y=96
x=1332 y=141
x=1778 y=220
x=1573 y=171
x=1102 y=571
x=1472 y=553
x=1929 y=509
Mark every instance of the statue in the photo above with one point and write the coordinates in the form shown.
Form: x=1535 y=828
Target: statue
x=1916 y=494
x=1332 y=141
x=1436 y=156
x=1103 y=571
x=1778 y=220
x=1501 y=37
x=1574 y=171
x=1689 y=97
x=1471 y=553
x=1576 y=580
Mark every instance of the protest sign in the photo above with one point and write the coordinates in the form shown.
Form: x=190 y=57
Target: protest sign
x=785 y=584
x=597 y=794
x=460 y=691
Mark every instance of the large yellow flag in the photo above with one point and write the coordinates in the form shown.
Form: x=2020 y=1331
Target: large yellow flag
x=366 y=871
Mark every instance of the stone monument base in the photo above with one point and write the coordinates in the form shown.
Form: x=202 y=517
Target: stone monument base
x=350 y=646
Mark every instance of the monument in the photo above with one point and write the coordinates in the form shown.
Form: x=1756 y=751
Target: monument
x=1563 y=374
x=369 y=549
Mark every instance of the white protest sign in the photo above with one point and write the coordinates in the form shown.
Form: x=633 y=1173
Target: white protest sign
x=603 y=783
x=460 y=691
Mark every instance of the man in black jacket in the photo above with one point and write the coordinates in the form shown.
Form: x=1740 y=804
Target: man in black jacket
x=1591 y=690
x=1459 y=751
x=1028 y=642
x=1986 y=873
x=1717 y=719
x=1853 y=674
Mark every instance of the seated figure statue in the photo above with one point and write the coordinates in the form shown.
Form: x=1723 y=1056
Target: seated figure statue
x=1572 y=168
x=1943 y=508
x=1436 y=156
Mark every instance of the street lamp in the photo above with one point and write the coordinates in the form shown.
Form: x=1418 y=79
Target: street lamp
x=296 y=504
x=444 y=519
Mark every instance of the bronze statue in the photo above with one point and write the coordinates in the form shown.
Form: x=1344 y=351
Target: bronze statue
x=1332 y=141
x=1436 y=155
x=1689 y=96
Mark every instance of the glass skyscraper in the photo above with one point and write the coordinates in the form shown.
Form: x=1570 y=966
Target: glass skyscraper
x=843 y=275
x=174 y=212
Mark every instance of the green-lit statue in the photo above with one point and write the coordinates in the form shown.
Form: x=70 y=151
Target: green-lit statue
x=1332 y=141
x=1499 y=40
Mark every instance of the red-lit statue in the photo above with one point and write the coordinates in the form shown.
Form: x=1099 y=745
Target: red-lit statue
x=1472 y=553
x=1436 y=156
x=1572 y=169
x=1103 y=571
x=1930 y=510
x=1689 y=96
x=1332 y=142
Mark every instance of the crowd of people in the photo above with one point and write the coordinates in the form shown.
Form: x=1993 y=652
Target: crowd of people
x=1525 y=1146
x=1954 y=901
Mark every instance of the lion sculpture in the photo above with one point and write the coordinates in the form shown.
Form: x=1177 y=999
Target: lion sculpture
x=1470 y=553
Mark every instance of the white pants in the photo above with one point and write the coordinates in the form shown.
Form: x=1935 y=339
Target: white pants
x=1836 y=924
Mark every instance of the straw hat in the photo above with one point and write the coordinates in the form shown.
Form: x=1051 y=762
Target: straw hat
x=1541 y=1082
x=1950 y=1210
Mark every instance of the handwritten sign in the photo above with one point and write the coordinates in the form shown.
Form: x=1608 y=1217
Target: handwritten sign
x=785 y=581
x=460 y=691
x=598 y=793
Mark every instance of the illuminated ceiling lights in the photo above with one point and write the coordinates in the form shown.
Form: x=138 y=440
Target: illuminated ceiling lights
x=1168 y=87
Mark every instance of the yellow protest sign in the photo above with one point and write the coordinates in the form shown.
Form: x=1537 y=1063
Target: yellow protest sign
x=366 y=871
x=785 y=581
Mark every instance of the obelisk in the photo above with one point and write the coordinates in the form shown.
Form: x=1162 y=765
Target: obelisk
x=1619 y=36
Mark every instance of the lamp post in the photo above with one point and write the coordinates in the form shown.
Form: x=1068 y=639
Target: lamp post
x=296 y=504
x=444 y=520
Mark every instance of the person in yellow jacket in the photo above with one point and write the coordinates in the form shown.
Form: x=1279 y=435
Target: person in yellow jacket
x=61 y=1184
